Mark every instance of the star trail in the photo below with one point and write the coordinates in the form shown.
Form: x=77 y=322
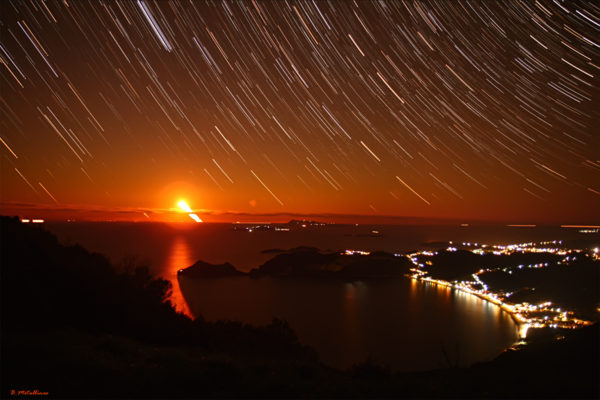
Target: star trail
x=471 y=110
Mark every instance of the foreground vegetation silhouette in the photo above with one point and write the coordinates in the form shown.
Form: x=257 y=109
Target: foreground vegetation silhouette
x=74 y=325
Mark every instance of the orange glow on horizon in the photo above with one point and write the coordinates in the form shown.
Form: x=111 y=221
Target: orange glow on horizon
x=314 y=135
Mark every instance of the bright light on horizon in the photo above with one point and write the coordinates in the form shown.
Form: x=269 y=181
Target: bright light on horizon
x=195 y=217
x=183 y=205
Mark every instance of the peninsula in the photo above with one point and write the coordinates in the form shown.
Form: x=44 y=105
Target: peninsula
x=543 y=285
x=309 y=261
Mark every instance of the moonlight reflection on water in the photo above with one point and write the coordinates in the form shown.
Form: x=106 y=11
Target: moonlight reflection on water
x=399 y=321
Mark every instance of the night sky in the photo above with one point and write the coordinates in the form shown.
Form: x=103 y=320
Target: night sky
x=343 y=111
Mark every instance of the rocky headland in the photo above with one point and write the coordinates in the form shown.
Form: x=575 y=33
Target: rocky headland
x=309 y=261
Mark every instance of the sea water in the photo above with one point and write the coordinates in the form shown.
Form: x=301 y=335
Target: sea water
x=401 y=322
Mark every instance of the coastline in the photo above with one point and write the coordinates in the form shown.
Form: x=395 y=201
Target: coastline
x=522 y=326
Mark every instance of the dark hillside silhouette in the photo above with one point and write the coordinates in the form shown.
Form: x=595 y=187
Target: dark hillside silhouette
x=454 y=265
x=48 y=285
x=76 y=326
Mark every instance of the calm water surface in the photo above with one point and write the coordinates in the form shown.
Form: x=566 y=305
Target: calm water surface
x=401 y=322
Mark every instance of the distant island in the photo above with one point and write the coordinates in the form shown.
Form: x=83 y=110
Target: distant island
x=549 y=284
x=203 y=269
x=309 y=261
x=308 y=222
x=277 y=227
x=259 y=228
x=293 y=250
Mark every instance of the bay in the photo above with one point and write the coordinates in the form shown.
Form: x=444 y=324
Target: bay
x=400 y=322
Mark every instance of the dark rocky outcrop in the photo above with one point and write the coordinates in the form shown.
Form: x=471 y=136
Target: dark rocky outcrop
x=308 y=261
x=203 y=269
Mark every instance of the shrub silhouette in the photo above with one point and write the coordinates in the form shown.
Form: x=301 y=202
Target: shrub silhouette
x=370 y=370
x=49 y=285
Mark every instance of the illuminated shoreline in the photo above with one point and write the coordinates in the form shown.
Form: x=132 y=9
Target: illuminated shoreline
x=522 y=326
x=524 y=314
